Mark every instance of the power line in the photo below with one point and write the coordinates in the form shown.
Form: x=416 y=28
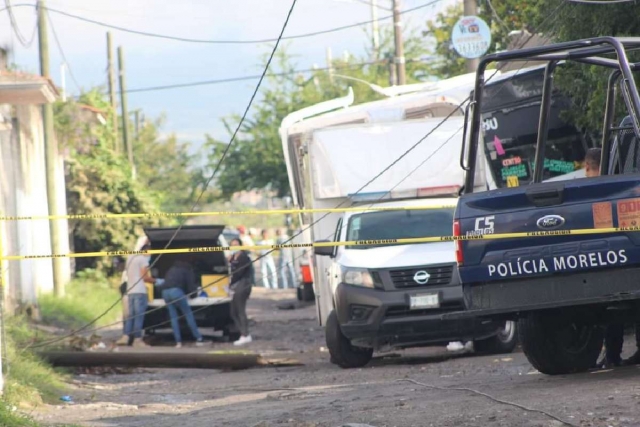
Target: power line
x=552 y=15
x=207 y=183
x=14 y=24
x=64 y=57
x=497 y=17
x=258 y=41
x=503 y=84
x=600 y=2
x=252 y=77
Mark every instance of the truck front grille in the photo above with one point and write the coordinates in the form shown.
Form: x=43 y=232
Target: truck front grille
x=438 y=276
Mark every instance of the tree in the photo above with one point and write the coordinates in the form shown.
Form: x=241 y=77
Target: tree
x=256 y=161
x=587 y=85
x=98 y=182
x=165 y=167
x=502 y=16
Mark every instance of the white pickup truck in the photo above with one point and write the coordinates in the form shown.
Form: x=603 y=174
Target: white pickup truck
x=393 y=296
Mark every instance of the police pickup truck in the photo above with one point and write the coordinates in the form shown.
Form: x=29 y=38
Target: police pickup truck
x=570 y=262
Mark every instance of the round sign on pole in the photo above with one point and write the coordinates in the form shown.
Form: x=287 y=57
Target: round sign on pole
x=471 y=37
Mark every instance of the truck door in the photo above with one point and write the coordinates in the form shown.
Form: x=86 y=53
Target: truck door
x=328 y=273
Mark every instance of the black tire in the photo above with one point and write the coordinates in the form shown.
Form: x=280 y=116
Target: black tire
x=307 y=292
x=556 y=346
x=342 y=352
x=504 y=341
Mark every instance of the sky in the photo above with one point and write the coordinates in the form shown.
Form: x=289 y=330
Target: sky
x=192 y=112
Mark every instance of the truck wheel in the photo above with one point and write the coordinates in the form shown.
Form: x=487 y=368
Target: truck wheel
x=307 y=292
x=556 y=346
x=342 y=352
x=503 y=342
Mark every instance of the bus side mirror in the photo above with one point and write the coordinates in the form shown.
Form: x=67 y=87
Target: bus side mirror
x=323 y=250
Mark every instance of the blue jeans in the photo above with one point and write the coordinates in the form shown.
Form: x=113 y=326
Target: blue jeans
x=133 y=323
x=287 y=273
x=269 y=275
x=175 y=299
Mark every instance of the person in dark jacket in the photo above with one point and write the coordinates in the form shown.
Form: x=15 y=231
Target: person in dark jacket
x=240 y=290
x=180 y=283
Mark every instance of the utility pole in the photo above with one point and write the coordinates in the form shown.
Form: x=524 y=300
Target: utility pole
x=136 y=115
x=330 y=64
x=50 y=155
x=63 y=81
x=112 y=92
x=471 y=9
x=397 y=31
x=393 y=79
x=125 y=114
x=375 y=29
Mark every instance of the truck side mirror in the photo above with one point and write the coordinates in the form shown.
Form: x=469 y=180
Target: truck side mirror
x=323 y=250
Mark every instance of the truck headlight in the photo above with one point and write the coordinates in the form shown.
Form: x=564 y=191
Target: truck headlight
x=357 y=277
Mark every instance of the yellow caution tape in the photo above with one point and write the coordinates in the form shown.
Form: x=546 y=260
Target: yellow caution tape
x=219 y=213
x=585 y=231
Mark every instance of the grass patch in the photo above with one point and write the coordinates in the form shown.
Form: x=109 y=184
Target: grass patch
x=29 y=381
x=9 y=417
x=90 y=293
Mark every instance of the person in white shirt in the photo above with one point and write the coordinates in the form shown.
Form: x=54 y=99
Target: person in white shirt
x=267 y=264
x=137 y=270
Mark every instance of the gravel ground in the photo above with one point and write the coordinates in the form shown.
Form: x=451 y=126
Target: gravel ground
x=419 y=387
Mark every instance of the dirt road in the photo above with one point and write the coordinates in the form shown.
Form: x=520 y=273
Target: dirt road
x=320 y=394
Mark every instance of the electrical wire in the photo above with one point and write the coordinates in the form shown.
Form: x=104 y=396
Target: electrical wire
x=488 y=396
x=601 y=2
x=208 y=182
x=252 y=77
x=502 y=86
x=257 y=41
x=64 y=57
x=497 y=17
x=14 y=24
x=42 y=344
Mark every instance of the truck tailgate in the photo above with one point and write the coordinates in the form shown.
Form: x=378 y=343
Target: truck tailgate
x=605 y=202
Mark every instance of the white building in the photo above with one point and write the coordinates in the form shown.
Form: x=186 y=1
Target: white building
x=23 y=187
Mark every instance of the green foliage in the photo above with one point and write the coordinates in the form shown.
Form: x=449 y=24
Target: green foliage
x=99 y=181
x=587 y=85
x=256 y=161
x=514 y=15
x=29 y=381
x=10 y=418
x=167 y=169
x=88 y=294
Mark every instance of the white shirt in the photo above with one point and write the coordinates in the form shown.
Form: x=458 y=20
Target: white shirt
x=266 y=253
x=133 y=268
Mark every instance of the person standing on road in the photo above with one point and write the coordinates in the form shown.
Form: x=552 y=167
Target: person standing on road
x=240 y=290
x=248 y=241
x=137 y=269
x=267 y=264
x=179 y=284
x=285 y=260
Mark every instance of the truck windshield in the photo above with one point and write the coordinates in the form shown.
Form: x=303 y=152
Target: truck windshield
x=406 y=224
x=511 y=112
